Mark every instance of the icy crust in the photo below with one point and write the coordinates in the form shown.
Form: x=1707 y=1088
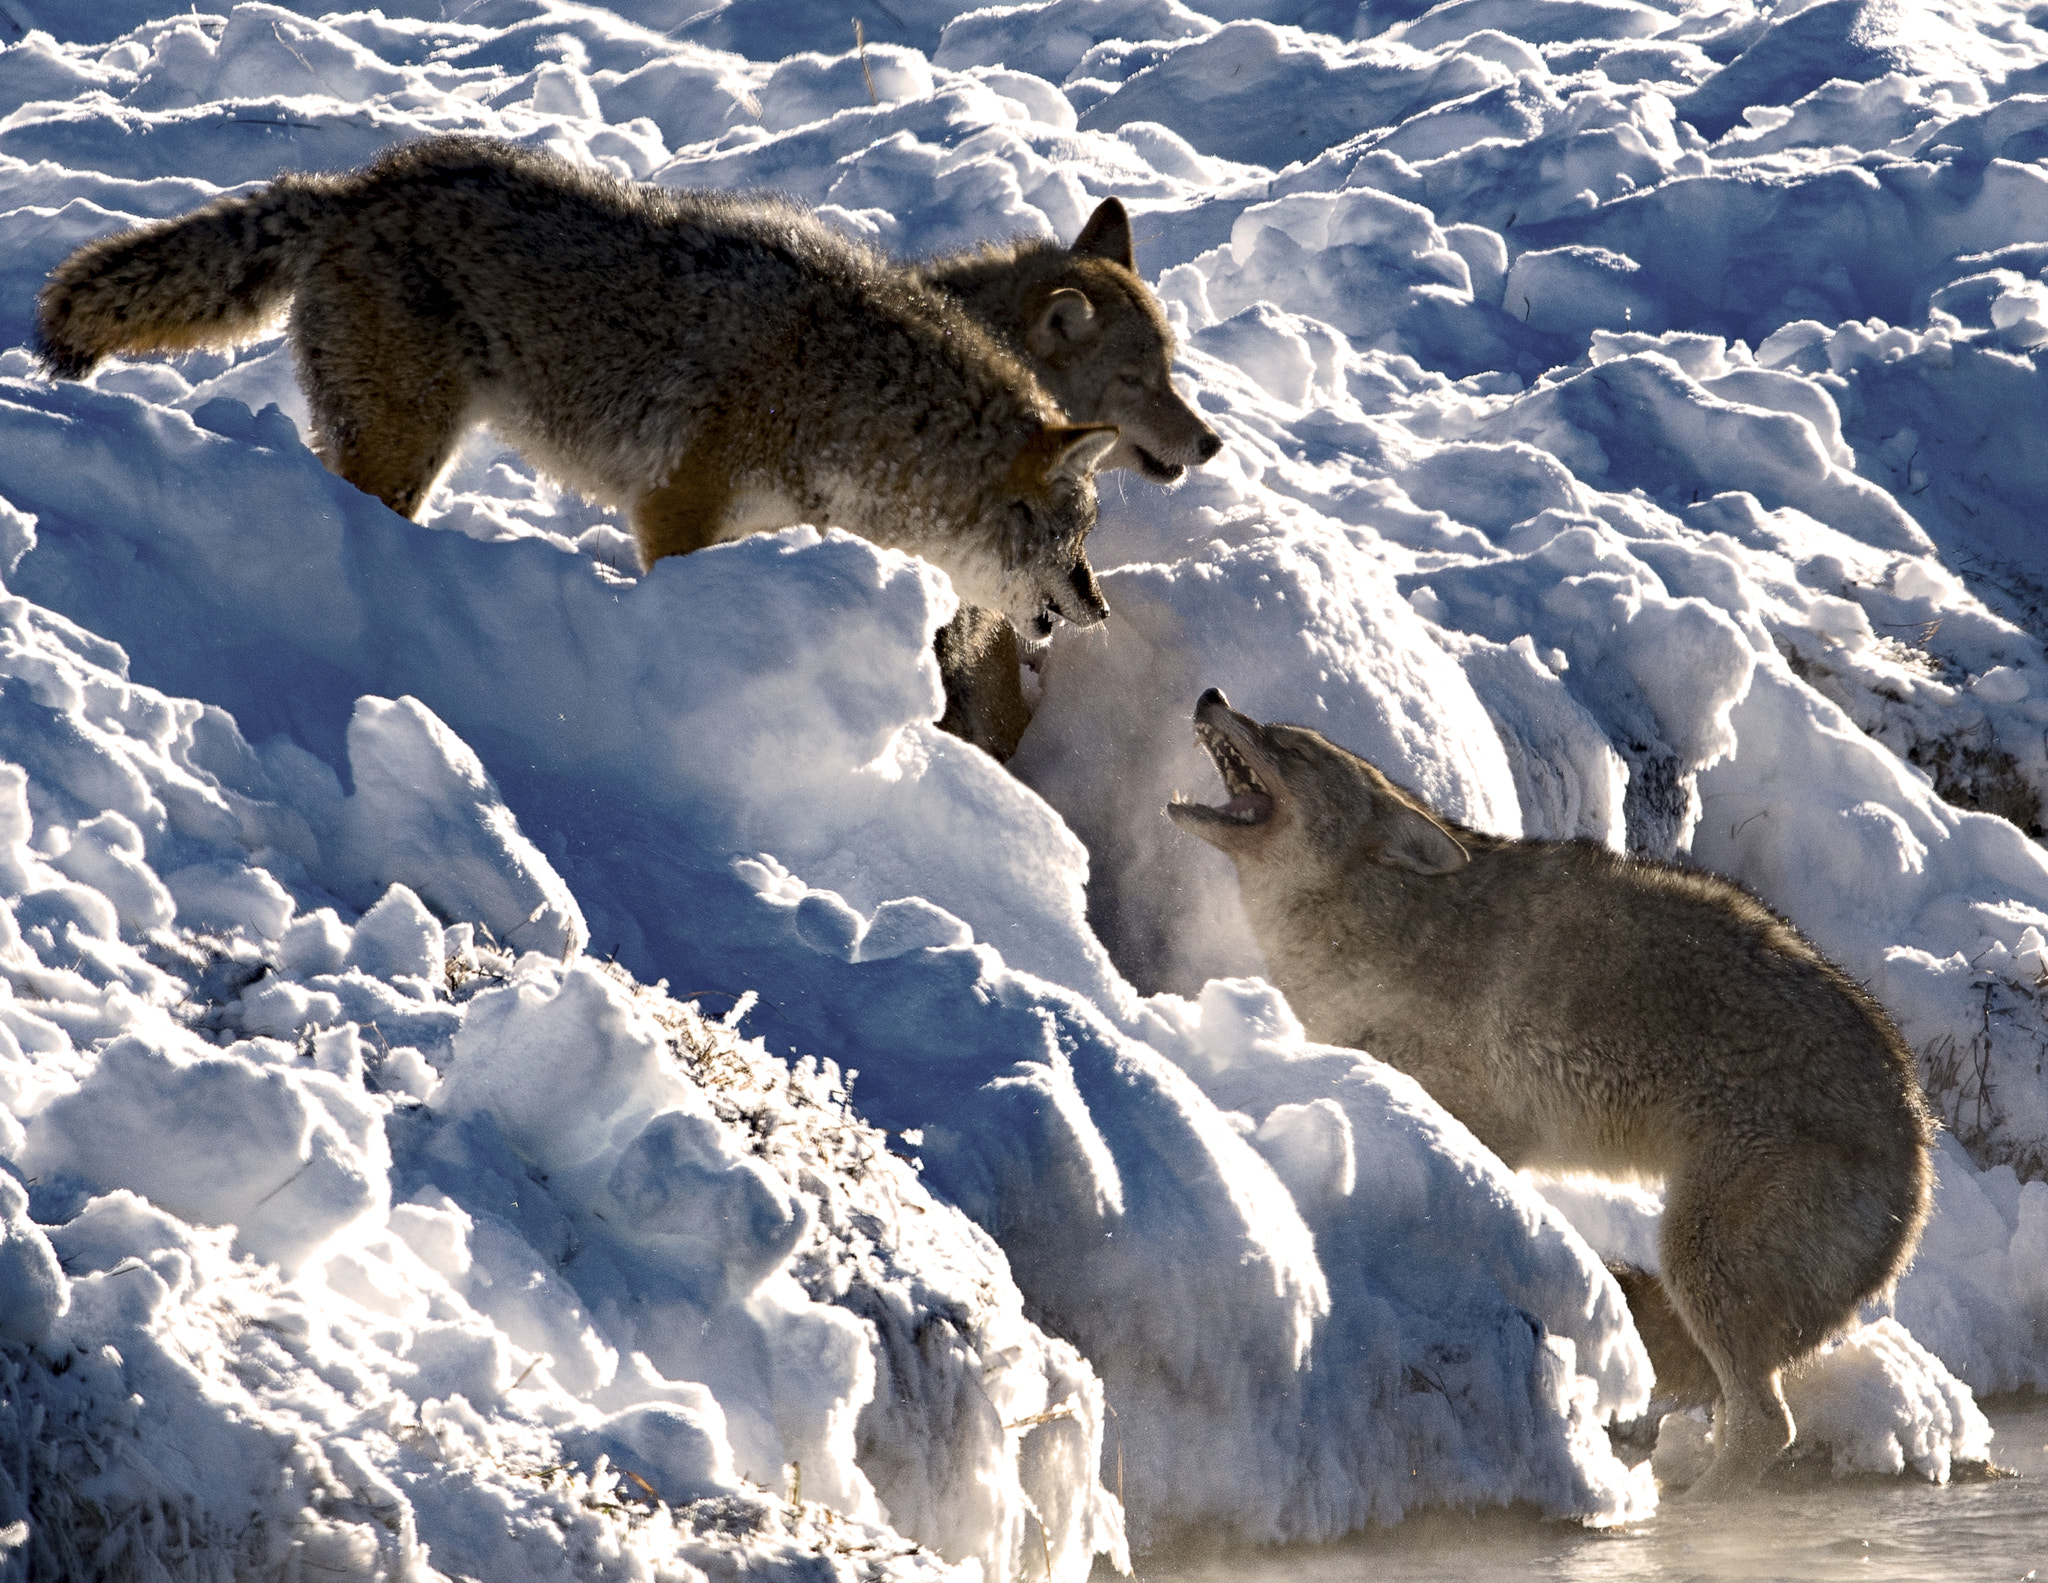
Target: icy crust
x=1147 y=1231
x=191 y=1416
x=465 y=1376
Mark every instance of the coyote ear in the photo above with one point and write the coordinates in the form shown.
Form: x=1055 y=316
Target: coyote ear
x=1068 y=320
x=1107 y=235
x=1079 y=451
x=1416 y=842
x=1059 y=450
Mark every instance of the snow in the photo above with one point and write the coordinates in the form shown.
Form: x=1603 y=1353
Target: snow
x=437 y=957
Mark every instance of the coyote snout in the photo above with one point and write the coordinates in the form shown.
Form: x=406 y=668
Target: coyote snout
x=1034 y=567
x=1107 y=357
x=1580 y=1009
x=1080 y=602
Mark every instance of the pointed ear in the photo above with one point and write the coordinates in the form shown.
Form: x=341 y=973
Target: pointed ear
x=1059 y=449
x=1107 y=235
x=1067 y=320
x=1080 y=450
x=1416 y=842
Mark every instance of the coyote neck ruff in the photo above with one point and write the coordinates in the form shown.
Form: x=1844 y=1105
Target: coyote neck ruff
x=1577 y=1008
x=713 y=363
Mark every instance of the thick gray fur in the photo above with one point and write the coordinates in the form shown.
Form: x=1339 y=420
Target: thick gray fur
x=1580 y=1009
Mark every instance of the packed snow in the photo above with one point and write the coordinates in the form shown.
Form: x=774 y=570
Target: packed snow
x=517 y=1068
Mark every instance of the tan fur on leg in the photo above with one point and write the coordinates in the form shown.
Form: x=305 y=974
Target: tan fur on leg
x=681 y=516
x=978 y=661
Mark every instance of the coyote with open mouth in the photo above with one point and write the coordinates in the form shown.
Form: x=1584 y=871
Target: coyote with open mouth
x=1580 y=1009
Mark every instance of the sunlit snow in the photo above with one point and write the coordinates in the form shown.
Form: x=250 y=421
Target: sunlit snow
x=437 y=958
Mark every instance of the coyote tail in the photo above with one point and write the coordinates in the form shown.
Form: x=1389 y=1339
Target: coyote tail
x=208 y=278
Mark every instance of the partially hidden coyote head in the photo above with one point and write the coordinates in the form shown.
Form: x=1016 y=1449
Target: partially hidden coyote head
x=1302 y=811
x=1105 y=351
x=1040 y=516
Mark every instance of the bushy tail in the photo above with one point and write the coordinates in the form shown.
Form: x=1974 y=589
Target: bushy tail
x=209 y=278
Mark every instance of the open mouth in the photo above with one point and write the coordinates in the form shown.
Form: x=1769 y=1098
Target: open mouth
x=1250 y=803
x=1156 y=470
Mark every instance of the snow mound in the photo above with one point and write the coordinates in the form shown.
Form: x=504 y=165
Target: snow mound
x=622 y=1255
x=1630 y=418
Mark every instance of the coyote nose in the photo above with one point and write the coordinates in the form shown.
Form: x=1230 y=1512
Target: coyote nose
x=1213 y=696
x=1209 y=444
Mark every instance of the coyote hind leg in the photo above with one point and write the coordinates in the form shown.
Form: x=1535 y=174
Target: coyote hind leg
x=1684 y=1376
x=388 y=394
x=1754 y=1262
x=396 y=456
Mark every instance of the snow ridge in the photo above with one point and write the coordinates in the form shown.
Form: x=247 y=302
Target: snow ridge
x=1630 y=412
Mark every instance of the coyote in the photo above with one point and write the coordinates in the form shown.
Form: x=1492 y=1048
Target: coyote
x=1577 y=1008
x=1087 y=325
x=714 y=364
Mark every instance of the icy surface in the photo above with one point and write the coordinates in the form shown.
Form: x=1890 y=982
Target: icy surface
x=1631 y=416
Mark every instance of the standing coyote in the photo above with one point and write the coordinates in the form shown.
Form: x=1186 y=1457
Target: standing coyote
x=1580 y=1009
x=713 y=364
x=1094 y=334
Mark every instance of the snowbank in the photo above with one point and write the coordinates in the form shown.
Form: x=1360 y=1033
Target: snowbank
x=704 y=1274
x=1629 y=415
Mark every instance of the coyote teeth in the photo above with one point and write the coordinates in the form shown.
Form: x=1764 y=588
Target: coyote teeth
x=1238 y=777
